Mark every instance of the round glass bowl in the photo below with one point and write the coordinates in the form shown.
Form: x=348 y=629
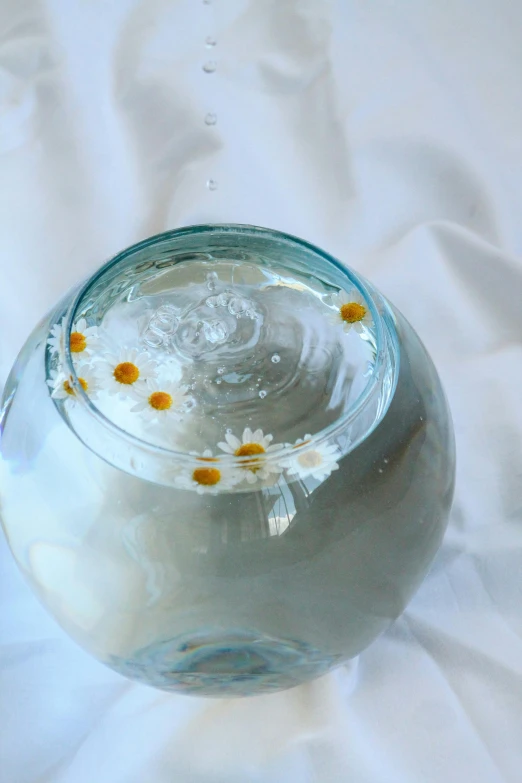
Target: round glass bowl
x=226 y=462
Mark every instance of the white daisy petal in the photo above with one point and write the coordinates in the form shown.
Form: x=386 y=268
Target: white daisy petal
x=232 y=441
x=248 y=435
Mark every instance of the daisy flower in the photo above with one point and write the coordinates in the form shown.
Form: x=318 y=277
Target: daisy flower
x=55 y=341
x=125 y=373
x=83 y=340
x=208 y=476
x=351 y=311
x=253 y=444
x=318 y=461
x=62 y=388
x=160 y=400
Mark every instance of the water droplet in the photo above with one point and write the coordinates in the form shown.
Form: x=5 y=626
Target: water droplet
x=210 y=66
x=262 y=394
x=210 y=41
x=218 y=380
x=210 y=118
x=212 y=279
x=386 y=460
x=189 y=404
x=276 y=358
x=381 y=470
x=213 y=301
x=212 y=184
x=220 y=370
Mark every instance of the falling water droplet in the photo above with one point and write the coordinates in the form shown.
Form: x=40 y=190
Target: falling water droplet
x=210 y=66
x=210 y=118
x=210 y=41
x=276 y=358
x=212 y=184
x=262 y=394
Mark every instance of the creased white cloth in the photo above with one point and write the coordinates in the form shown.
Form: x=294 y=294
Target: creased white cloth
x=390 y=133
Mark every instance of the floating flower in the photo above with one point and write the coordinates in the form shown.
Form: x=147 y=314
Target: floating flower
x=161 y=400
x=125 y=373
x=351 y=311
x=254 y=445
x=62 y=388
x=83 y=340
x=317 y=461
x=55 y=341
x=208 y=475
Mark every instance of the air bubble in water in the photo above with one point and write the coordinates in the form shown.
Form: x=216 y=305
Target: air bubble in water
x=213 y=301
x=224 y=298
x=210 y=118
x=236 y=305
x=228 y=430
x=218 y=380
x=220 y=370
x=210 y=41
x=210 y=66
x=215 y=331
x=262 y=394
x=276 y=358
x=212 y=279
x=212 y=184
x=152 y=339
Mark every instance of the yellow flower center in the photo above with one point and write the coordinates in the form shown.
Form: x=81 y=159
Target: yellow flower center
x=310 y=459
x=160 y=401
x=248 y=450
x=126 y=373
x=207 y=477
x=77 y=343
x=69 y=389
x=352 y=312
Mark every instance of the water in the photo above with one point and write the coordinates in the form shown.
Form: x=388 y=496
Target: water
x=210 y=66
x=210 y=118
x=266 y=334
x=212 y=184
x=210 y=41
x=263 y=584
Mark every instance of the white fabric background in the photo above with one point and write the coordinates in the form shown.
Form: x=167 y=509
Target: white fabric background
x=390 y=133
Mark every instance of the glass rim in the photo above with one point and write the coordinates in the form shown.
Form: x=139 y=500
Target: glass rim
x=163 y=452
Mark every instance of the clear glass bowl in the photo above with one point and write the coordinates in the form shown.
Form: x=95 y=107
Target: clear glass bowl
x=266 y=583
